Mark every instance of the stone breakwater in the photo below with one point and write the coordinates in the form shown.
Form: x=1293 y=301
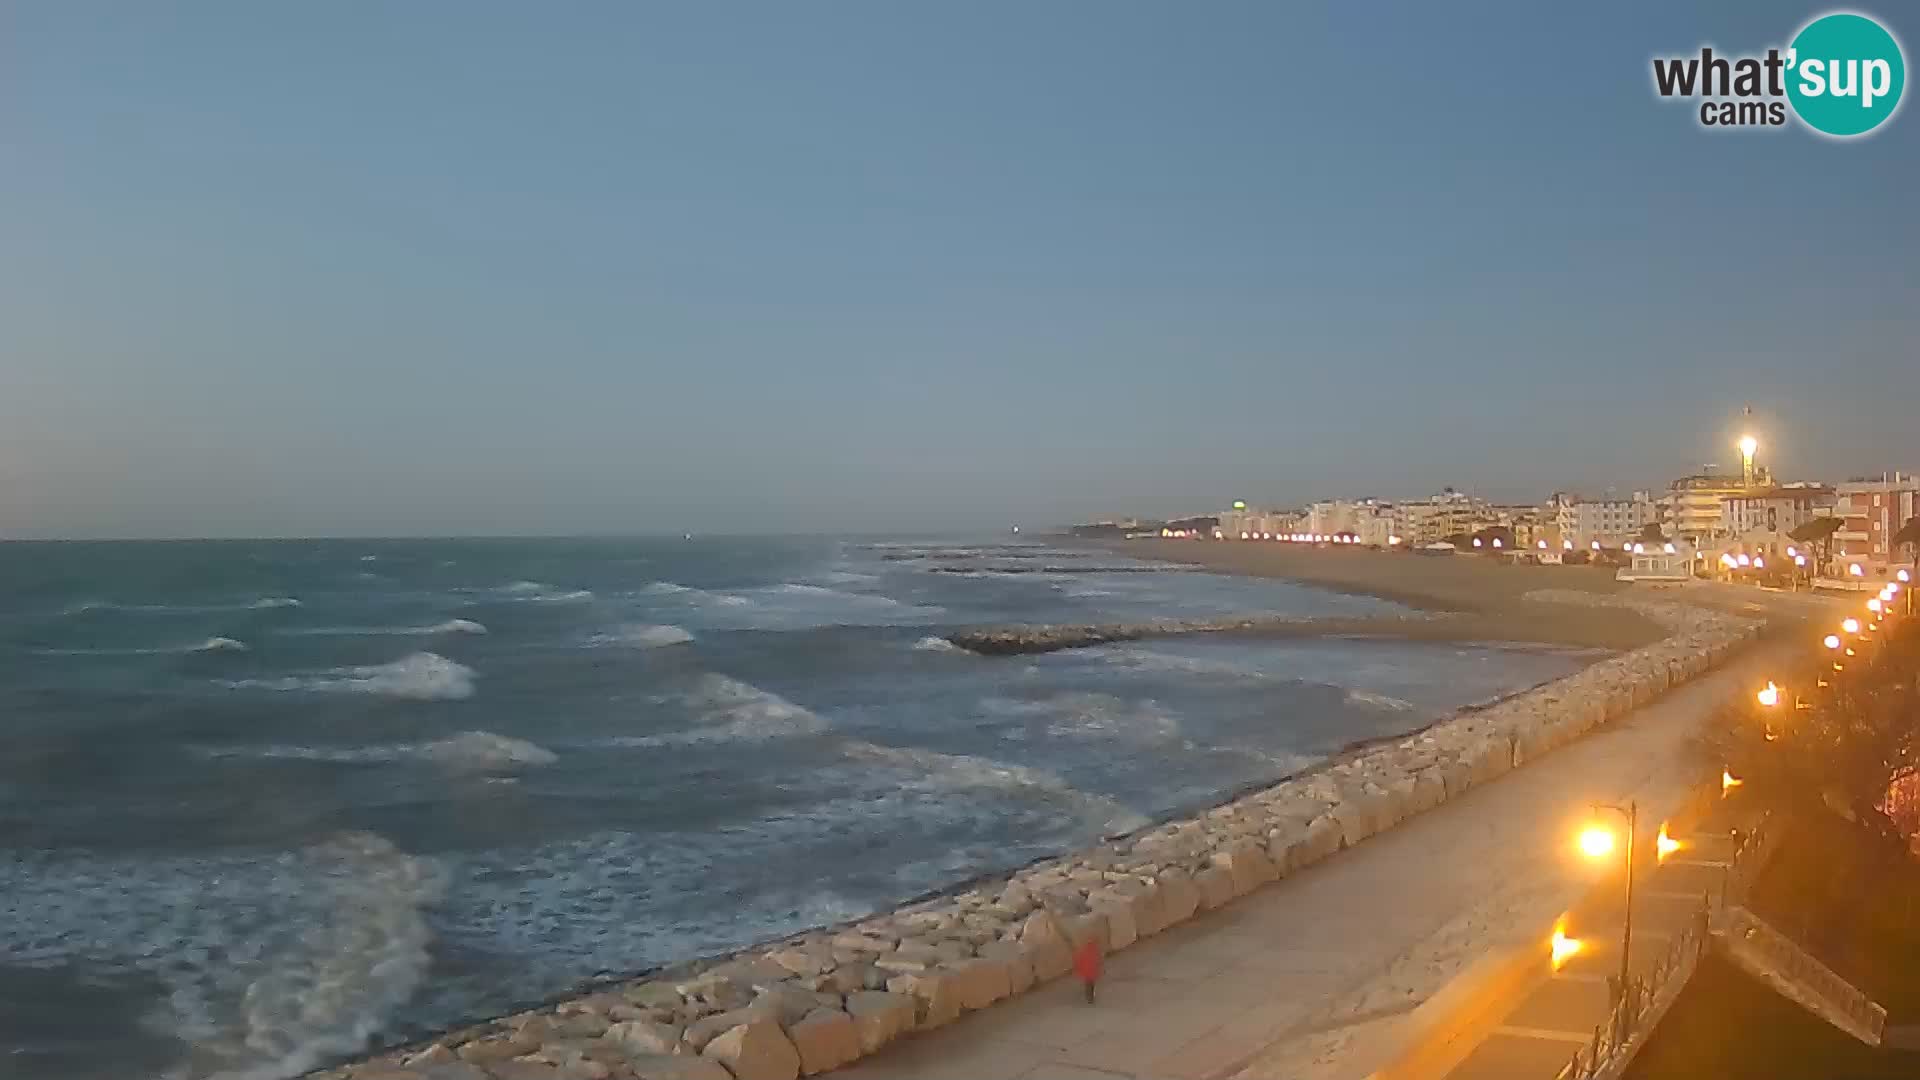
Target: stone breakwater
x=815 y=1001
x=1051 y=637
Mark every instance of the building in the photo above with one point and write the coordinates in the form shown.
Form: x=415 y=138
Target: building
x=1242 y=523
x=1672 y=561
x=1441 y=516
x=1610 y=522
x=1774 y=510
x=1695 y=506
x=1875 y=508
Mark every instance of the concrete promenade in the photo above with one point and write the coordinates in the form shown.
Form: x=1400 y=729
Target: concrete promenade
x=1316 y=975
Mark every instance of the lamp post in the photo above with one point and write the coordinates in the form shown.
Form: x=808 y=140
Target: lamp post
x=1597 y=843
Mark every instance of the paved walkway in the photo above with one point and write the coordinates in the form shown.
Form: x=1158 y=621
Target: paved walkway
x=1309 y=977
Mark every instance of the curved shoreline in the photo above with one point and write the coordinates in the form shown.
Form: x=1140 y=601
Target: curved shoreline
x=825 y=997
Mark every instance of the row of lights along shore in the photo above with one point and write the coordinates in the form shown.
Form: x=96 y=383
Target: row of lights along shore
x=1601 y=838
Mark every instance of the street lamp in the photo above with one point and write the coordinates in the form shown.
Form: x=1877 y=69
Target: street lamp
x=1851 y=626
x=1596 y=842
x=1769 y=695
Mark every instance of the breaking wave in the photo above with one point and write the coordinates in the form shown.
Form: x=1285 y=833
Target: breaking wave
x=935 y=643
x=642 y=636
x=931 y=770
x=727 y=710
x=263 y=603
x=270 y=965
x=212 y=644
x=541 y=592
x=450 y=626
x=1379 y=701
x=469 y=752
x=422 y=676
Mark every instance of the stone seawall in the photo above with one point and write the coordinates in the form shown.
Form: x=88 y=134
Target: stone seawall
x=818 y=1000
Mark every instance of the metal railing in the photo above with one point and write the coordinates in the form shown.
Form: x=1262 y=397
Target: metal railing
x=1639 y=1005
x=1795 y=963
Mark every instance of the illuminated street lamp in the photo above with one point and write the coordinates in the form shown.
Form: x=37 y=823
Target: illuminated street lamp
x=1853 y=570
x=1596 y=842
x=1728 y=782
x=1902 y=576
x=1564 y=947
x=1769 y=695
x=1851 y=626
x=1664 y=845
x=1874 y=605
x=1596 y=545
x=1832 y=641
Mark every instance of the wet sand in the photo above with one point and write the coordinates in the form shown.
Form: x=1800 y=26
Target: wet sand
x=1477 y=598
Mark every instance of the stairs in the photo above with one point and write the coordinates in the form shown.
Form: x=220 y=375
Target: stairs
x=1773 y=958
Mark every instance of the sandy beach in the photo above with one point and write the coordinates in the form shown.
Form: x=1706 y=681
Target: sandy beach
x=1483 y=599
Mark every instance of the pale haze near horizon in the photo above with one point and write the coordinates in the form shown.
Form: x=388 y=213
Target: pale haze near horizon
x=448 y=268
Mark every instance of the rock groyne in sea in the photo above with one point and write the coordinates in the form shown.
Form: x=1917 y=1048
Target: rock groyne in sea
x=1026 y=638
x=818 y=1000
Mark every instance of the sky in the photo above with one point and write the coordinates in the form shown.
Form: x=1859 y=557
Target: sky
x=453 y=267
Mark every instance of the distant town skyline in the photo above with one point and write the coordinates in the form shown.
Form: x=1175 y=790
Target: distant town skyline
x=489 y=268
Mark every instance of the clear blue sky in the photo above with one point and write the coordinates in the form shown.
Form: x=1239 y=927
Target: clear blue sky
x=449 y=267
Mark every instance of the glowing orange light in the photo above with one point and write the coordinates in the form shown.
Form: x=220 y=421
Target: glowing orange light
x=1596 y=842
x=1851 y=626
x=1664 y=845
x=1564 y=948
x=1769 y=695
x=1832 y=641
x=1728 y=781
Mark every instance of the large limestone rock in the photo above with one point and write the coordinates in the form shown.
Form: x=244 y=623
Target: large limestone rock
x=657 y=1067
x=644 y=1036
x=826 y=1039
x=1248 y=865
x=1050 y=953
x=936 y=997
x=1179 y=897
x=980 y=982
x=1122 y=928
x=1216 y=887
x=756 y=1050
x=880 y=1017
x=1019 y=965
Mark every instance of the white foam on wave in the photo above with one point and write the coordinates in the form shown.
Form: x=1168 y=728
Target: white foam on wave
x=728 y=710
x=263 y=603
x=1380 y=701
x=541 y=592
x=1081 y=714
x=642 y=636
x=1140 y=659
x=789 y=605
x=210 y=645
x=422 y=676
x=935 y=643
x=469 y=752
x=449 y=626
x=936 y=771
x=270 y=965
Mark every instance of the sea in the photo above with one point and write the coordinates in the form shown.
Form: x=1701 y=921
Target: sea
x=266 y=804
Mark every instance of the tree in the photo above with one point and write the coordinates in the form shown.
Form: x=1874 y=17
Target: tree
x=1650 y=534
x=1909 y=535
x=1819 y=531
x=1842 y=744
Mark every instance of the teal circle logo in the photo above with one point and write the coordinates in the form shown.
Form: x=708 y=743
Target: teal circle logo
x=1845 y=73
